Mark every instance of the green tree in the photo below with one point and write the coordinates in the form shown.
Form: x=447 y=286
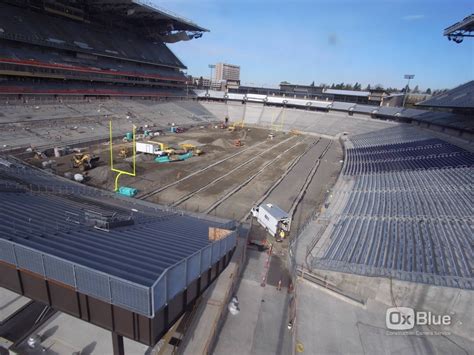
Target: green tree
x=428 y=91
x=312 y=84
x=368 y=88
x=416 y=90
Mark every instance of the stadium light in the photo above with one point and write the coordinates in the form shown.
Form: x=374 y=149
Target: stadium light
x=211 y=66
x=408 y=77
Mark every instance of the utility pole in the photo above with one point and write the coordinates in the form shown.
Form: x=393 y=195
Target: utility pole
x=408 y=77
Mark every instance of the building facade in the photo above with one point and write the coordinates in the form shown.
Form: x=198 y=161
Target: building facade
x=226 y=72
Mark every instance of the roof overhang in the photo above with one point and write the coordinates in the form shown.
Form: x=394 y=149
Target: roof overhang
x=145 y=17
x=464 y=28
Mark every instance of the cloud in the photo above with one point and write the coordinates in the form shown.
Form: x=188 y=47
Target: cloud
x=413 y=17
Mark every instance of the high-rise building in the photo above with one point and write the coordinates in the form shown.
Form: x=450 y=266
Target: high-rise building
x=226 y=72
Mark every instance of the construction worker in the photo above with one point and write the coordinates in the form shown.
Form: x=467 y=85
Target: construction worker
x=282 y=234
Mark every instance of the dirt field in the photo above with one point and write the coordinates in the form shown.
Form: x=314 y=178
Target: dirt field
x=226 y=180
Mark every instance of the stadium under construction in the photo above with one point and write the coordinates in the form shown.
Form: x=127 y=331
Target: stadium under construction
x=380 y=199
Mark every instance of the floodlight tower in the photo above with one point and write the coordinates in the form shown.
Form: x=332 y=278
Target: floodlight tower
x=408 y=77
x=211 y=66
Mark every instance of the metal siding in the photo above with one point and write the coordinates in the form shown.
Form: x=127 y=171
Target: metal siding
x=206 y=258
x=29 y=259
x=92 y=283
x=176 y=276
x=215 y=252
x=7 y=253
x=193 y=268
x=59 y=270
x=159 y=293
x=133 y=297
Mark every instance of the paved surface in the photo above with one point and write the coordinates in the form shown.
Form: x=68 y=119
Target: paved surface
x=10 y=302
x=261 y=325
x=327 y=324
x=286 y=192
x=65 y=334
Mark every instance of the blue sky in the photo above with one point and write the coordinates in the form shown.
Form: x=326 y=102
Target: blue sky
x=299 y=41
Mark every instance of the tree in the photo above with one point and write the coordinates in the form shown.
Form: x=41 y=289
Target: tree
x=416 y=90
x=357 y=86
x=428 y=91
x=312 y=84
x=368 y=88
x=333 y=86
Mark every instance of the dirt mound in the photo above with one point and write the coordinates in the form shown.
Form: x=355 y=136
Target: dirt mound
x=205 y=140
x=100 y=175
x=193 y=142
x=223 y=143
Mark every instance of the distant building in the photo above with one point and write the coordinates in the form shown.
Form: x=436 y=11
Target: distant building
x=311 y=92
x=396 y=99
x=226 y=72
x=201 y=82
x=308 y=91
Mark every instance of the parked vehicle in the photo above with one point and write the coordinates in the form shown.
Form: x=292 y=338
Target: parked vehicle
x=273 y=219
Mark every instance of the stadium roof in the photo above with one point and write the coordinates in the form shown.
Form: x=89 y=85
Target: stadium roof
x=461 y=29
x=346 y=92
x=141 y=16
x=144 y=13
x=460 y=97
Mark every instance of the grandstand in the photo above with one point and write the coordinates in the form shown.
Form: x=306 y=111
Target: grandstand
x=457 y=122
x=402 y=209
x=91 y=48
x=116 y=263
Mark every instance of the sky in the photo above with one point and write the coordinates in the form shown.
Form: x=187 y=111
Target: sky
x=301 y=41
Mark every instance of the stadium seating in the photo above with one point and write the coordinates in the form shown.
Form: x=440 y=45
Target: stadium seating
x=35 y=28
x=404 y=209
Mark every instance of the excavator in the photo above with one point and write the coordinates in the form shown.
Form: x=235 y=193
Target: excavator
x=123 y=153
x=191 y=148
x=235 y=125
x=84 y=161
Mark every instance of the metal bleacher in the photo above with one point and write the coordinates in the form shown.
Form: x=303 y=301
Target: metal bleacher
x=112 y=248
x=408 y=213
x=35 y=28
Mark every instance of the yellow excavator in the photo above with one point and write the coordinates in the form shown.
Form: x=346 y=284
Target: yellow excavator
x=84 y=161
x=235 y=125
x=191 y=148
x=123 y=153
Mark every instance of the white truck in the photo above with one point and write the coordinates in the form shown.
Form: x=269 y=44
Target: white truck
x=154 y=148
x=273 y=219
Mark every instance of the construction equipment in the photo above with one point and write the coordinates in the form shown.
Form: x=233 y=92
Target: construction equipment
x=156 y=148
x=224 y=124
x=238 y=143
x=191 y=148
x=173 y=157
x=123 y=153
x=235 y=125
x=128 y=137
x=84 y=161
x=175 y=129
